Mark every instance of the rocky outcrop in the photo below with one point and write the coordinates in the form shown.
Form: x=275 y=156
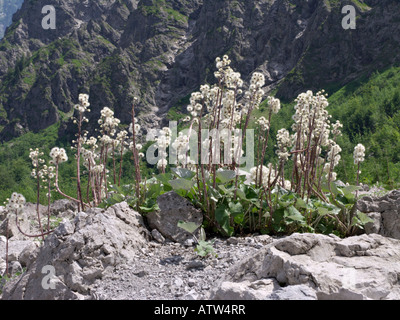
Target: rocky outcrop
x=7 y=9
x=79 y=252
x=19 y=251
x=313 y=266
x=385 y=213
x=27 y=219
x=174 y=208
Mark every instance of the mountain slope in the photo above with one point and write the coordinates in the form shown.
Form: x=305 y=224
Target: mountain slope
x=7 y=9
x=163 y=50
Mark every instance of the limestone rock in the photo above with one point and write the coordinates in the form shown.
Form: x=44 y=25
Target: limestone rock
x=356 y=268
x=296 y=292
x=245 y=290
x=157 y=236
x=385 y=213
x=174 y=208
x=13 y=232
x=100 y=240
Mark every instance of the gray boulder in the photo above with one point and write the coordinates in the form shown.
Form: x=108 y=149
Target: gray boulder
x=325 y=267
x=385 y=213
x=295 y=292
x=78 y=253
x=174 y=208
x=3 y=213
x=13 y=232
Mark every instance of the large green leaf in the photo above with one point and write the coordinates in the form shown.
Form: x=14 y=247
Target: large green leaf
x=240 y=193
x=277 y=219
x=165 y=178
x=222 y=215
x=190 y=227
x=153 y=190
x=291 y=213
x=323 y=211
x=224 y=176
x=183 y=173
x=181 y=184
x=348 y=192
x=361 y=219
x=235 y=208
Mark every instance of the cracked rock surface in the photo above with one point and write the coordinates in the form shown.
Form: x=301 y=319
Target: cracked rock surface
x=325 y=267
x=110 y=254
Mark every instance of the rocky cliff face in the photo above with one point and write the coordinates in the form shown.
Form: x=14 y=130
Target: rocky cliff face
x=162 y=50
x=7 y=9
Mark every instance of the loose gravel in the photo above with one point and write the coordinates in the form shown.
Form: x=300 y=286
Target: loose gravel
x=172 y=271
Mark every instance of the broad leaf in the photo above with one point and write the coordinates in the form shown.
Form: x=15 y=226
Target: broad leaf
x=235 y=208
x=164 y=178
x=361 y=219
x=181 y=184
x=183 y=173
x=292 y=213
x=222 y=215
x=224 y=176
x=190 y=227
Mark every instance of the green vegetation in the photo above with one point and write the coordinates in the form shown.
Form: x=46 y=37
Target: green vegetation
x=370 y=112
x=161 y=7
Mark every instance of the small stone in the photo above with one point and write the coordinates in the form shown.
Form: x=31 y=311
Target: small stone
x=192 y=282
x=232 y=241
x=157 y=236
x=192 y=295
x=189 y=243
x=15 y=267
x=208 y=268
x=141 y=274
x=65 y=228
x=178 y=282
x=195 y=265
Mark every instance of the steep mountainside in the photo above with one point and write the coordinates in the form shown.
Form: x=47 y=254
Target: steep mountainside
x=162 y=50
x=7 y=9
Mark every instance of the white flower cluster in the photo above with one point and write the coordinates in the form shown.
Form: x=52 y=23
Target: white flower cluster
x=263 y=123
x=181 y=145
x=17 y=201
x=274 y=104
x=333 y=160
x=108 y=123
x=311 y=113
x=47 y=172
x=359 y=154
x=137 y=127
x=121 y=139
x=163 y=141
x=89 y=158
x=58 y=155
x=219 y=102
x=255 y=94
x=284 y=142
x=226 y=74
x=336 y=128
x=311 y=109
x=268 y=176
x=35 y=155
x=84 y=104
